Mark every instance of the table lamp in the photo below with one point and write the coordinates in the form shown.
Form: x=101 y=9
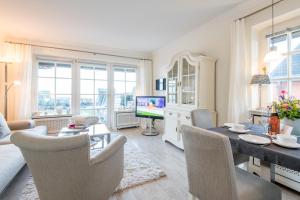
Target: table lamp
x=260 y=79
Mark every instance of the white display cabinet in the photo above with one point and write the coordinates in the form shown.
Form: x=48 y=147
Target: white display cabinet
x=190 y=85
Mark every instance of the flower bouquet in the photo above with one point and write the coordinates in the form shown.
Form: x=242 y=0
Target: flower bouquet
x=287 y=107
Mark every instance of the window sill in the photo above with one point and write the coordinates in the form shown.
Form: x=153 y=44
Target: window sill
x=51 y=116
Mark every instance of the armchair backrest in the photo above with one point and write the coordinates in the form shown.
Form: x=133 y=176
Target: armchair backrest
x=211 y=172
x=59 y=164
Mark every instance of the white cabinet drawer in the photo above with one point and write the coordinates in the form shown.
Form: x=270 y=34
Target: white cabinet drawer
x=185 y=117
x=171 y=114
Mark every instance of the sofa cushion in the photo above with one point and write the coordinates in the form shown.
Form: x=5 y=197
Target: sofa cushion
x=12 y=161
x=4 y=129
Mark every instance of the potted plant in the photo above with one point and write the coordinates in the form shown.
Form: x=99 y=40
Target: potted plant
x=288 y=109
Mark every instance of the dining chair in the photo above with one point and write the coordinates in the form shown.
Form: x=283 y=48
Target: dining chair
x=211 y=171
x=202 y=118
x=63 y=169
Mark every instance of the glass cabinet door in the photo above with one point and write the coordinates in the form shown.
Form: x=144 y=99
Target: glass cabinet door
x=188 y=85
x=172 y=84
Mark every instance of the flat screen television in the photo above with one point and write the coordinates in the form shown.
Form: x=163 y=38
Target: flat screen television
x=160 y=84
x=150 y=107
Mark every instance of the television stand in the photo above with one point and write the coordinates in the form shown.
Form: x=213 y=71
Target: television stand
x=150 y=131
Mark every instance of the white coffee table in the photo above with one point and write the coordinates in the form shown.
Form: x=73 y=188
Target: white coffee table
x=99 y=134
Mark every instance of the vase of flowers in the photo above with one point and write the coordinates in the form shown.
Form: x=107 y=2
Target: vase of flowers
x=288 y=109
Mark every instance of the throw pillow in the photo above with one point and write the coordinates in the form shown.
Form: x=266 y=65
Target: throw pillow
x=4 y=129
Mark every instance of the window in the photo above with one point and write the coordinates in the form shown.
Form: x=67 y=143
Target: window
x=83 y=88
x=93 y=91
x=285 y=73
x=124 y=87
x=52 y=97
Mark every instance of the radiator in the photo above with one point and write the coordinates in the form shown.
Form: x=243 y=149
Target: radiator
x=125 y=119
x=54 y=124
x=289 y=178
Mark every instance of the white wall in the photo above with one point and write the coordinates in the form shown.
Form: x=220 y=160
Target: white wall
x=1 y=79
x=213 y=39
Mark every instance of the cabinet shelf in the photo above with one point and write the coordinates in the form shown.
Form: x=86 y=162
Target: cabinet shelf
x=189 y=75
x=188 y=91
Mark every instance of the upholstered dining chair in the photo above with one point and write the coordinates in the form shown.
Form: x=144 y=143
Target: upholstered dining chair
x=62 y=168
x=202 y=118
x=211 y=171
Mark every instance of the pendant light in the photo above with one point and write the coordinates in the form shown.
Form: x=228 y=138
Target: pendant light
x=273 y=54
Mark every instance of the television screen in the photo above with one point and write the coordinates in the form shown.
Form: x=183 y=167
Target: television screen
x=160 y=84
x=150 y=106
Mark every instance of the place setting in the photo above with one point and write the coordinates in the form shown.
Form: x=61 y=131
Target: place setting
x=286 y=141
x=282 y=140
x=236 y=128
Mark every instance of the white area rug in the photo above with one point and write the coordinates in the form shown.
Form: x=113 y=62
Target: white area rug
x=138 y=169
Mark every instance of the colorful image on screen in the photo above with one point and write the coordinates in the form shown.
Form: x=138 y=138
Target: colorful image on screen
x=152 y=107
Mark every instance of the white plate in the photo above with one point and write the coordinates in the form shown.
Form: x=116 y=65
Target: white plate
x=232 y=124
x=255 y=139
x=292 y=145
x=238 y=131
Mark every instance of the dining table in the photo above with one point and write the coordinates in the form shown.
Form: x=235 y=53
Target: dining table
x=269 y=153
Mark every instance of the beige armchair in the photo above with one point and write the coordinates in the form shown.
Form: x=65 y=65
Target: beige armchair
x=62 y=168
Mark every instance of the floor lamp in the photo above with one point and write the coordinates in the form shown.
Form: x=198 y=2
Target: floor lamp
x=7 y=87
x=7 y=56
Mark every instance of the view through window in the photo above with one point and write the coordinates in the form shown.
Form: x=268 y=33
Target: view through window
x=124 y=87
x=93 y=91
x=285 y=73
x=87 y=95
x=52 y=97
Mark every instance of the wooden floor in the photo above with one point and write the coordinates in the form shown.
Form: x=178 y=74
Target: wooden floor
x=171 y=160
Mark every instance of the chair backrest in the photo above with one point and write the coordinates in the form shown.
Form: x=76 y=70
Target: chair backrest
x=58 y=164
x=202 y=118
x=210 y=168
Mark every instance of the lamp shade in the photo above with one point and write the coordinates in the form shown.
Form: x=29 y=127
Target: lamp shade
x=9 y=53
x=260 y=79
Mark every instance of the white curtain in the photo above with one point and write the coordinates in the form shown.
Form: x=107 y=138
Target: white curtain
x=240 y=74
x=144 y=82
x=144 y=78
x=19 y=96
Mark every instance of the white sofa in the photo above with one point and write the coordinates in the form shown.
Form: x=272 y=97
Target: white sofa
x=11 y=159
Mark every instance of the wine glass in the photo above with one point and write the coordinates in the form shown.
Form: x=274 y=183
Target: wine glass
x=265 y=123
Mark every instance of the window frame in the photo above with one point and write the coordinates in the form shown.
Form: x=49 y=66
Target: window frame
x=94 y=66
x=125 y=68
x=55 y=77
x=75 y=96
x=289 y=78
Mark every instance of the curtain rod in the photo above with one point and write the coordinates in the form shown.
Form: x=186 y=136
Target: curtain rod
x=77 y=50
x=257 y=11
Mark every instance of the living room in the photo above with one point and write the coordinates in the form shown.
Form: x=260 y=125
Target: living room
x=150 y=100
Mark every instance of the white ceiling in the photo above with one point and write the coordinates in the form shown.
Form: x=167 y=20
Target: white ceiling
x=137 y=25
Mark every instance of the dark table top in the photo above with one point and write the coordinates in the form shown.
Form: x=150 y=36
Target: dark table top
x=271 y=153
